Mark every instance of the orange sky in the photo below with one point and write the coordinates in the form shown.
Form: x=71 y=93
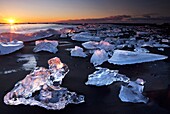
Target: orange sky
x=55 y=10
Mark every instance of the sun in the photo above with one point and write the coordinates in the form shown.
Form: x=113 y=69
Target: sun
x=10 y=21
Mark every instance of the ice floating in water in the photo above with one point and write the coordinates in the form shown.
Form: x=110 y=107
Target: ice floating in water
x=98 y=57
x=54 y=42
x=31 y=61
x=46 y=45
x=10 y=47
x=9 y=71
x=105 y=76
x=133 y=92
x=63 y=36
x=161 y=49
x=78 y=52
x=42 y=87
x=98 y=45
x=141 y=50
x=85 y=36
x=122 y=57
x=30 y=36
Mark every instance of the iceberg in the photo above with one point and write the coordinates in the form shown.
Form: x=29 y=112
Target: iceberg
x=42 y=88
x=98 y=57
x=133 y=92
x=46 y=45
x=105 y=76
x=122 y=57
x=10 y=47
x=85 y=36
x=78 y=52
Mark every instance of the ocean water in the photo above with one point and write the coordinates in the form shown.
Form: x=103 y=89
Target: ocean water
x=30 y=28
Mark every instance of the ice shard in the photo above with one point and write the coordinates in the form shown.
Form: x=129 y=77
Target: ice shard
x=133 y=92
x=122 y=57
x=105 y=76
x=98 y=45
x=78 y=52
x=85 y=36
x=98 y=57
x=46 y=45
x=10 y=47
x=42 y=87
x=31 y=61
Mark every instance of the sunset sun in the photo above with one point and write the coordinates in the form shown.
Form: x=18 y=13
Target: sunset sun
x=11 y=21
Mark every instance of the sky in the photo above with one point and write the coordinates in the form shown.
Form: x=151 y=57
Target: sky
x=59 y=10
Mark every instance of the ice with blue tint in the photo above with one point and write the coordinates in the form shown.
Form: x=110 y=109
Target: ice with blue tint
x=42 y=88
x=122 y=57
x=133 y=92
x=99 y=57
x=30 y=60
x=98 y=45
x=10 y=47
x=78 y=52
x=105 y=76
x=85 y=36
x=46 y=45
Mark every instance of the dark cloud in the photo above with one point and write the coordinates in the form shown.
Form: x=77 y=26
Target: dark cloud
x=146 y=18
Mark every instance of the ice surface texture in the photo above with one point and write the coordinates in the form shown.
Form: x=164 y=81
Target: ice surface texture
x=98 y=45
x=122 y=57
x=105 y=76
x=98 y=57
x=78 y=52
x=10 y=47
x=46 y=45
x=85 y=36
x=42 y=87
x=133 y=92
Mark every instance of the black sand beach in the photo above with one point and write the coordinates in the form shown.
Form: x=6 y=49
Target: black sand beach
x=98 y=100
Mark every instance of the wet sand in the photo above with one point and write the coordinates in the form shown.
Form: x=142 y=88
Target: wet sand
x=98 y=100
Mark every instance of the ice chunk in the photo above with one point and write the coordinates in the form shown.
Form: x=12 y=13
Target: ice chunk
x=161 y=49
x=141 y=50
x=85 y=36
x=78 y=52
x=42 y=87
x=91 y=45
x=46 y=45
x=10 y=47
x=133 y=92
x=122 y=57
x=105 y=76
x=98 y=57
x=63 y=36
x=31 y=61
x=98 y=45
x=54 y=42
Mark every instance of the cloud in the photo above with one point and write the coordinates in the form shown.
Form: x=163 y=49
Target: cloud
x=146 y=18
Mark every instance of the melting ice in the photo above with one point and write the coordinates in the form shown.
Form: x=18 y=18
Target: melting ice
x=46 y=45
x=98 y=57
x=42 y=87
x=133 y=92
x=78 y=52
x=122 y=57
x=31 y=61
x=10 y=47
x=105 y=76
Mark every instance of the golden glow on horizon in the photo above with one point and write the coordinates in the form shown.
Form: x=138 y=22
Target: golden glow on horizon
x=10 y=21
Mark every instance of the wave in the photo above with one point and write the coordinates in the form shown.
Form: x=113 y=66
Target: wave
x=30 y=32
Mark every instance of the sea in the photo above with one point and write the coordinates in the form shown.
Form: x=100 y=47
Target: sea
x=30 y=28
